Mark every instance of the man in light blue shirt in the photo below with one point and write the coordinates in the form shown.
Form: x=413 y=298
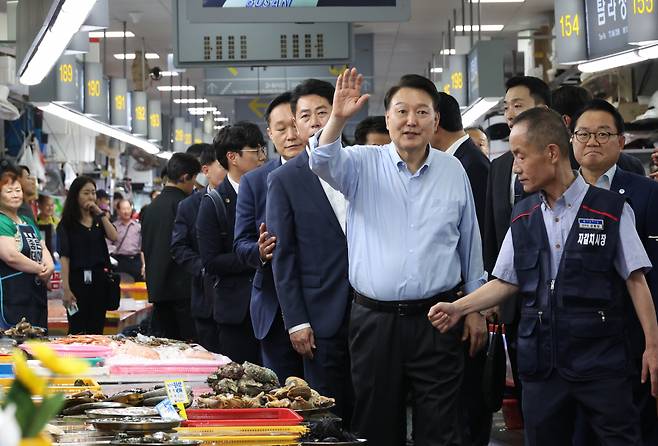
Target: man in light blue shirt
x=413 y=240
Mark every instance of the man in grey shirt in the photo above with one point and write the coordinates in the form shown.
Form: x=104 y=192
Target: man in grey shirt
x=573 y=255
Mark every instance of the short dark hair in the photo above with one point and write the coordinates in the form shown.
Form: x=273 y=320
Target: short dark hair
x=208 y=154
x=117 y=196
x=311 y=86
x=101 y=193
x=414 y=81
x=23 y=168
x=195 y=150
x=233 y=138
x=372 y=124
x=539 y=90
x=42 y=198
x=450 y=118
x=600 y=105
x=283 y=98
x=568 y=99
x=544 y=127
x=181 y=167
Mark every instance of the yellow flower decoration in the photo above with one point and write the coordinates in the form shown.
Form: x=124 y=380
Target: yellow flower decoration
x=57 y=364
x=33 y=382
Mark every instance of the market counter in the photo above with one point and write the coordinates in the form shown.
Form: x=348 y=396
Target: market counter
x=131 y=312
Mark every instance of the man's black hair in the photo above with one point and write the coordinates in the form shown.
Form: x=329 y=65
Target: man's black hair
x=311 y=86
x=101 y=194
x=195 y=150
x=283 y=98
x=372 y=124
x=233 y=138
x=545 y=126
x=600 y=105
x=568 y=99
x=539 y=90
x=450 y=118
x=23 y=168
x=208 y=154
x=181 y=167
x=117 y=196
x=414 y=81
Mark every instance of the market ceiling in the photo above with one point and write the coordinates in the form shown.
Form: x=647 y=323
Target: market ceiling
x=399 y=48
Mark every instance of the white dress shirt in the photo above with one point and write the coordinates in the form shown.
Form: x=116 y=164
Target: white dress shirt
x=455 y=145
x=235 y=184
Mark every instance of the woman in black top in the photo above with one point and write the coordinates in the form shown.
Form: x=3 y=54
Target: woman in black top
x=81 y=244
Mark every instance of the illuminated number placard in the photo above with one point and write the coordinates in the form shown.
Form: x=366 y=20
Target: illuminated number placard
x=446 y=88
x=66 y=72
x=94 y=88
x=641 y=7
x=140 y=113
x=188 y=138
x=570 y=25
x=457 y=80
x=154 y=119
x=120 y=102
x=179 y=135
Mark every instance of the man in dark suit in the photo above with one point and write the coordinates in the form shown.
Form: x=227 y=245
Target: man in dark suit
x=275 y=347
x=240 y=148
x=168 y=285
x=503 y=190
x=451 y=138
x=307 y=217
x=598 y=138
x=569 y=100
x=185 y=249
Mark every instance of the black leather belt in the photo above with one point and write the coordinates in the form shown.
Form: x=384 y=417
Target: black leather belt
x=406 y=307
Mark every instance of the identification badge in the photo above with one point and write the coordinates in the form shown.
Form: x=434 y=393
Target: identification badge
x=177 y=394
x=590 y=223
x=87 y=276
x=167 y=410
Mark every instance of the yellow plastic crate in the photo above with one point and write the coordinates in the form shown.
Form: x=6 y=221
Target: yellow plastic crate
x=62 y=384
x=241 y=431
x=244 y=441
x=135 y=290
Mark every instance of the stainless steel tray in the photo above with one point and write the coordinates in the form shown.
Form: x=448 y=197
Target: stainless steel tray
x=122 y=412
x=143 y=425
x=359 y=442
x=169 y=443
x=81 y=408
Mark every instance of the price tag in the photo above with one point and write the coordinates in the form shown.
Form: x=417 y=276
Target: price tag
x=167 y=411
x=177 y=394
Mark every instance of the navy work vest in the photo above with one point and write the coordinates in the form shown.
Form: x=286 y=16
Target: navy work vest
x=575 y=324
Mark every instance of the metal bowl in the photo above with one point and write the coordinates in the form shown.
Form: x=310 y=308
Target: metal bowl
x=123 y=412
x=134 y=425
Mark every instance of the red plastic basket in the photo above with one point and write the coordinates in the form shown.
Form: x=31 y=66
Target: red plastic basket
x=241 y=417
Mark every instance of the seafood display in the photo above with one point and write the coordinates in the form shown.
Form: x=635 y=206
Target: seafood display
x=24 y=329
x=138 y=398
x=244 y=386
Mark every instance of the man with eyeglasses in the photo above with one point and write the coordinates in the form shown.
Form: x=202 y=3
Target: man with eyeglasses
x=598 y=139
x=240 y=149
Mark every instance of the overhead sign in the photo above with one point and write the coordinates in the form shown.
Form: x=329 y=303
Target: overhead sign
x=119 y=102
x=69 y=78
x=188 y=133
x=154 y=120
x=252 y=11
x=486 y=71
x=179 y=135
x=570 y=31
x=260 y=81
x=643 y=22
x=455 y=79
x=235 y=44
x=139 y=113
x=607 y=27
x=95 y=92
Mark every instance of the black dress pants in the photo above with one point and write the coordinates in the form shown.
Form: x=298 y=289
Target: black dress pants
x=390 y=353
x=237 y=341
x=207 y=332
x=91 y=299
x=278 y=354
x=172 y=319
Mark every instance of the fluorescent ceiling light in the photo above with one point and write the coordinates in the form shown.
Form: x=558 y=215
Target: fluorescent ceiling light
x=497 y=1
x=151 y=56
x=176 y=87
x=477 y=109
x=128 y=56
x=165 y=155
x=196 y=111
x=190 y=101
x=63 y=20
x=446 y=51
x=219 y=127
x=644 y=42
x=613 y=61
x=221 y=119
x=109 y=34
x=485 y=28
x=216 y=112
x=98 y=126
x=168 y=73
x=436 y=70
x=650 y=52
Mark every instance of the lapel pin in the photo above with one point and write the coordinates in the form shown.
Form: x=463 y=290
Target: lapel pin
x=622 y=191
x=227 y=200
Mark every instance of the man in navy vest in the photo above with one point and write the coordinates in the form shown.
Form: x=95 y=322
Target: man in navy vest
x=573 y=255
x=598 y=139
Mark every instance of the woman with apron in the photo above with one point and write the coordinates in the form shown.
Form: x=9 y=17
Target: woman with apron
x=83 y=252
x=25 y=263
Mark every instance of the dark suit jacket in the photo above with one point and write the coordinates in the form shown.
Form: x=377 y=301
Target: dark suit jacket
x=232 y=278
x=185 y=251
x=630 y=164
x=165 y=280
x=249 y=214
x=310 y=259
x=642 y=194
x=476 y=166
